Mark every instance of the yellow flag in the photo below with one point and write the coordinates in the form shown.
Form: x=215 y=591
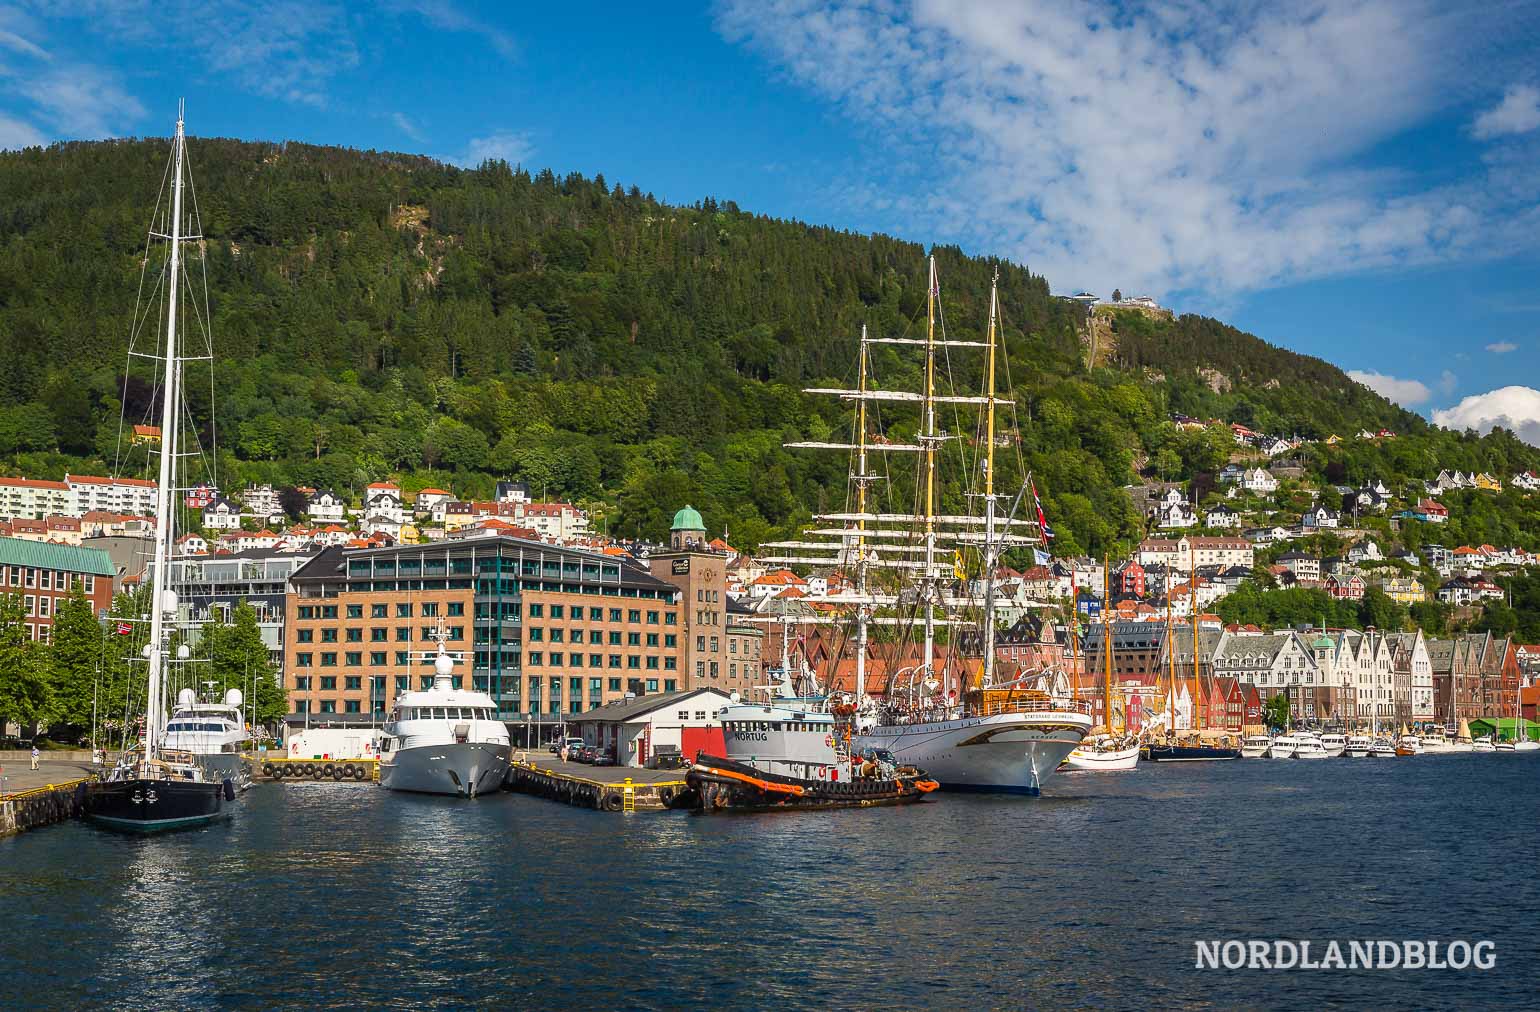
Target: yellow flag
x=957 y=565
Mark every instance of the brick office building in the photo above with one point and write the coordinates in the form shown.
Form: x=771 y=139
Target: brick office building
x=43 y=575
x=546 y=631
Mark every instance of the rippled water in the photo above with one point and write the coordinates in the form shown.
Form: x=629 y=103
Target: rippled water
x=321 y=895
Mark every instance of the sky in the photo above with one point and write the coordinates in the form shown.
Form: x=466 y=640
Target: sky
x=1355 y=179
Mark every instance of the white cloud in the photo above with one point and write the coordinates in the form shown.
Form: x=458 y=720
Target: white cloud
x=16 y=43
x=1517 y=113
x=1447 y=382
x=510 y=146
x=451 y=18
x=1516 y=408
x=1160 y=146
x=1502 y=347
x=15 y=135
x=81 y=101
x=406 y=126
x=1406 y=392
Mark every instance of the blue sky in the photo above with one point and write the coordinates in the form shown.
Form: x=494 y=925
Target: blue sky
x=1356 y=179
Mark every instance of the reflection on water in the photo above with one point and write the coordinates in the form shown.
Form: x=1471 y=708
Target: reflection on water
x=330 y=895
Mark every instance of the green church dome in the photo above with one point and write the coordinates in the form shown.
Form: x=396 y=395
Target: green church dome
x=688 y=519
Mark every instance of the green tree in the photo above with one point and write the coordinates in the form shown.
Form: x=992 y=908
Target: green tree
x=24 y=696
x=239 y=659
x=75 y=661
x=1275 y=713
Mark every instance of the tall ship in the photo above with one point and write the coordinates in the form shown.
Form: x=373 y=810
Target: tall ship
x=152 y=787
x=444 y=740
x=968 y=729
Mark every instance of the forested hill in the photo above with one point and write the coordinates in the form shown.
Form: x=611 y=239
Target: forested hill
x=379 y=314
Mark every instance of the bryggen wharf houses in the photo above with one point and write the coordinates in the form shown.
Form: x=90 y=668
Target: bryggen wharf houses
x=547 y=631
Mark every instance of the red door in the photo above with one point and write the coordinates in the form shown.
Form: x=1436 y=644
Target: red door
x=701 y=739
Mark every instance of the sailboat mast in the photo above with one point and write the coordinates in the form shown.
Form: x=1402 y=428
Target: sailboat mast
x=929 y=439
x=1192 y=597
x=991 y=550
x=863 y=612
x=1107 y=638
x=1170 y=669
x=154 y=710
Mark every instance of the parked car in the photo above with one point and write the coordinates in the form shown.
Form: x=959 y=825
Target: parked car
x=605 y=758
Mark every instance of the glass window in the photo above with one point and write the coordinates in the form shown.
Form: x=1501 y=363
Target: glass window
x=353 y=659
x=404 y=610
x=328 y=682
x=456 y=608
x=328 y=659
x=305 y=636
x=355 y=611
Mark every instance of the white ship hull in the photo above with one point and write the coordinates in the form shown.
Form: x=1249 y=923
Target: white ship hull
x=1115 y=759
x=1005 y=752
x=464 y=769
x=1281 y=749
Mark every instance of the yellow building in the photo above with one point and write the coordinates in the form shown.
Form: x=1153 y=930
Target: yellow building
x=1404 y=589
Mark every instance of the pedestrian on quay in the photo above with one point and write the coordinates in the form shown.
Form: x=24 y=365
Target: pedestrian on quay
x=35 y=754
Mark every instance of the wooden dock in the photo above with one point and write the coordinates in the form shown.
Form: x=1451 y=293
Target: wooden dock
x=605 y=788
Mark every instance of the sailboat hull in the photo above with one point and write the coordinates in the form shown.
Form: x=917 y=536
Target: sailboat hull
x=1006 y=753
x=1086 y=760
x=1189 y=753
x=153 y=806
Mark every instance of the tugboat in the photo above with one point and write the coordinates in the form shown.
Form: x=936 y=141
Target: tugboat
x=781 y=756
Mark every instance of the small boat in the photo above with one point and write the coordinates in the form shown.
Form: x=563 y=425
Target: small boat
x=1335 y=744
x=1462 y=738
x=1435 y=743
x=1358 y=746
x=1108 y=753
x=1409 y=744
x=1526 y=745
x=1283 y=746
x=1309 y=746
x=1382 y=748
x=1503 y=746
x=783 y=756
x=1483 y=744
x=1255 y=746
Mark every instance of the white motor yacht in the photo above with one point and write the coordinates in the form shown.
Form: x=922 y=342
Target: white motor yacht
x=1483 y=744
x=1335 y=744
x=211 y=735
x=1358 y=746
x=1436 y=743
x=1382 y=748
x=1255 y=746
x=444 y=740
x=1283 y=747
x=1308 y=745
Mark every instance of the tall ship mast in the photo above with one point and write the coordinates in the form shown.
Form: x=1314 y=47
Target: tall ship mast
x=969 y=731
x=153 y=789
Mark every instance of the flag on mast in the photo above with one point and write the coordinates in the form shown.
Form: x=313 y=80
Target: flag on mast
x=1042 y=518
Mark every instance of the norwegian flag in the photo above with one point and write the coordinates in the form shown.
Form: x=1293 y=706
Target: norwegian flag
x=1042 y=518
x=124 y=628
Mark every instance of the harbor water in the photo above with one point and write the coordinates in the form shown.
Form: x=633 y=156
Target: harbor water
x=332 y=896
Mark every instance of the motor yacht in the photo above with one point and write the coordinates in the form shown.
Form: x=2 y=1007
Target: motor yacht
x=1283 y=746
x=1308 y=745
x=1335 y=744
x=1255 y=746
x=1358 y=746
x=444 y=740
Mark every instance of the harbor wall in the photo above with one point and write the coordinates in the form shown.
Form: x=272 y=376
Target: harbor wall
x=43 y=806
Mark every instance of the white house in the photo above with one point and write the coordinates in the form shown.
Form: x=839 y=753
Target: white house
x=430 y=503
x=221 y=515
x=34 y=499
x=1175 y=515
x=325 y=507
x=261 y=501
x=1364 y=551
x=557 y=521
x=1526 y=480
x=382 y=501
x=1223 y=517
x=635 y=728
x=1259 y=481
x=1320 y=517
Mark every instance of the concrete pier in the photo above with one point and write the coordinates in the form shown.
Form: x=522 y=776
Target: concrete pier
x=41 y=797
x=606 y=788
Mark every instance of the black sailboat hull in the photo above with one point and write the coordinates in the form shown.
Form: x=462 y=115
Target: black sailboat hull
x=1188 y=753
x=153 y=806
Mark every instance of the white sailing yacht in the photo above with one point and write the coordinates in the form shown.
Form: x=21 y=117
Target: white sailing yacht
x=153 y=789
x=989 y=736
x=1107 y=752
